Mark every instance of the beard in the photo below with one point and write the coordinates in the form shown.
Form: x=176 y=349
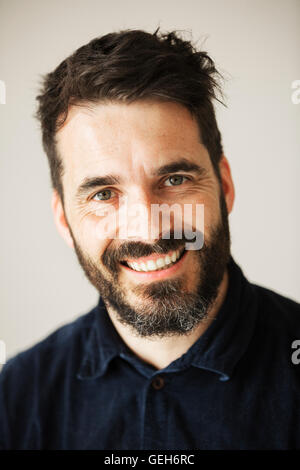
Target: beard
x=165 y=307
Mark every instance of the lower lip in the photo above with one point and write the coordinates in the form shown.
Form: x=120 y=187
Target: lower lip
x=152 y=275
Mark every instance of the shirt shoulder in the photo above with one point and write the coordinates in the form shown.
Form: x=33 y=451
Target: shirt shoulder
x=56 y=344
x=277 y=327
x=31 y=376
x=48 y=361
x=276 y=309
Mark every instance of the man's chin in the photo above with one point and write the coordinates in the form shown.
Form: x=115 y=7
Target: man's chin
x=163 y=310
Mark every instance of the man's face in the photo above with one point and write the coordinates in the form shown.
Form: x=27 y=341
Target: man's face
x=139 y=155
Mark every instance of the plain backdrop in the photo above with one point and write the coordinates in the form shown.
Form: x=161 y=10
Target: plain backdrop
x=255 y=44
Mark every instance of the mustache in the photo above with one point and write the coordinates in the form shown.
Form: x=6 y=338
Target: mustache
x=113 y=256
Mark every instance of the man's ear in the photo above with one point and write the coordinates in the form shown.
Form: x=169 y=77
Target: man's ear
x=60 y=219
x=227 y=183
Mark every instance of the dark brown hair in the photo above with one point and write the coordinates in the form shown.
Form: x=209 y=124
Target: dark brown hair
x=127 y=66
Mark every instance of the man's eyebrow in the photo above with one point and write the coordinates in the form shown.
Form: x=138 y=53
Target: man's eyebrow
x=181 y=165
x=95 y=182
x=107 y=180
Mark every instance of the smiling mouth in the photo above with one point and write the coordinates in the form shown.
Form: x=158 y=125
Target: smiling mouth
x=155 y=263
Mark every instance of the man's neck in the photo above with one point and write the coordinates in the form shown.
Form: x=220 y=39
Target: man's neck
x=160 y=352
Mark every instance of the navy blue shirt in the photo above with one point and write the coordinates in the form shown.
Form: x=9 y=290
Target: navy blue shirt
x=235 y=388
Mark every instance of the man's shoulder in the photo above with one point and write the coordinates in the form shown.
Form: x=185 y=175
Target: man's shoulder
x=55 y=347
x=276 y=310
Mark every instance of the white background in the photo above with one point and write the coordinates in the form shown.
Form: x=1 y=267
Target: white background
x=255 y=44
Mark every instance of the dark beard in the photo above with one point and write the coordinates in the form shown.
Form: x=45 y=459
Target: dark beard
x=166 y=309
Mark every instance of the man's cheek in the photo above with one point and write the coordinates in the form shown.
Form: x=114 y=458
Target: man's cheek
x=104 y=223
x=85 y=233
x=92 y=223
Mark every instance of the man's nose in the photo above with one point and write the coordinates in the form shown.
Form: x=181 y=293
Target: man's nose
x=135 y=217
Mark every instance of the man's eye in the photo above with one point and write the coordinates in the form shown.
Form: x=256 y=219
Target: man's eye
x=103 y=195
x=175 y=180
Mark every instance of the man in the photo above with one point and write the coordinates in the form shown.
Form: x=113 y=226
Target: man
x=181 y=352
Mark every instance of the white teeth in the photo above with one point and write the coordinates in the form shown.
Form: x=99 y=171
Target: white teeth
x=160 y=262
x=151 y=265
x=154 y=265
x=168 y=260
x=136 y=266
x=143 y=266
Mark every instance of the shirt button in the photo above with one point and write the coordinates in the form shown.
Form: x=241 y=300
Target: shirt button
x=158 y=382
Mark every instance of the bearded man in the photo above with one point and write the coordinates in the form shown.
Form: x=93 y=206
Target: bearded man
x=182 y=351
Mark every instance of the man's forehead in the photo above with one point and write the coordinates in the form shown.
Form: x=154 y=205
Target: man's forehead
x=116 y=137
x=100 y=122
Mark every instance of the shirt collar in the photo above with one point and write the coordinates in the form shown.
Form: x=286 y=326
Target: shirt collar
x=227 y=338
x=103 y=344
x=218 y=350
